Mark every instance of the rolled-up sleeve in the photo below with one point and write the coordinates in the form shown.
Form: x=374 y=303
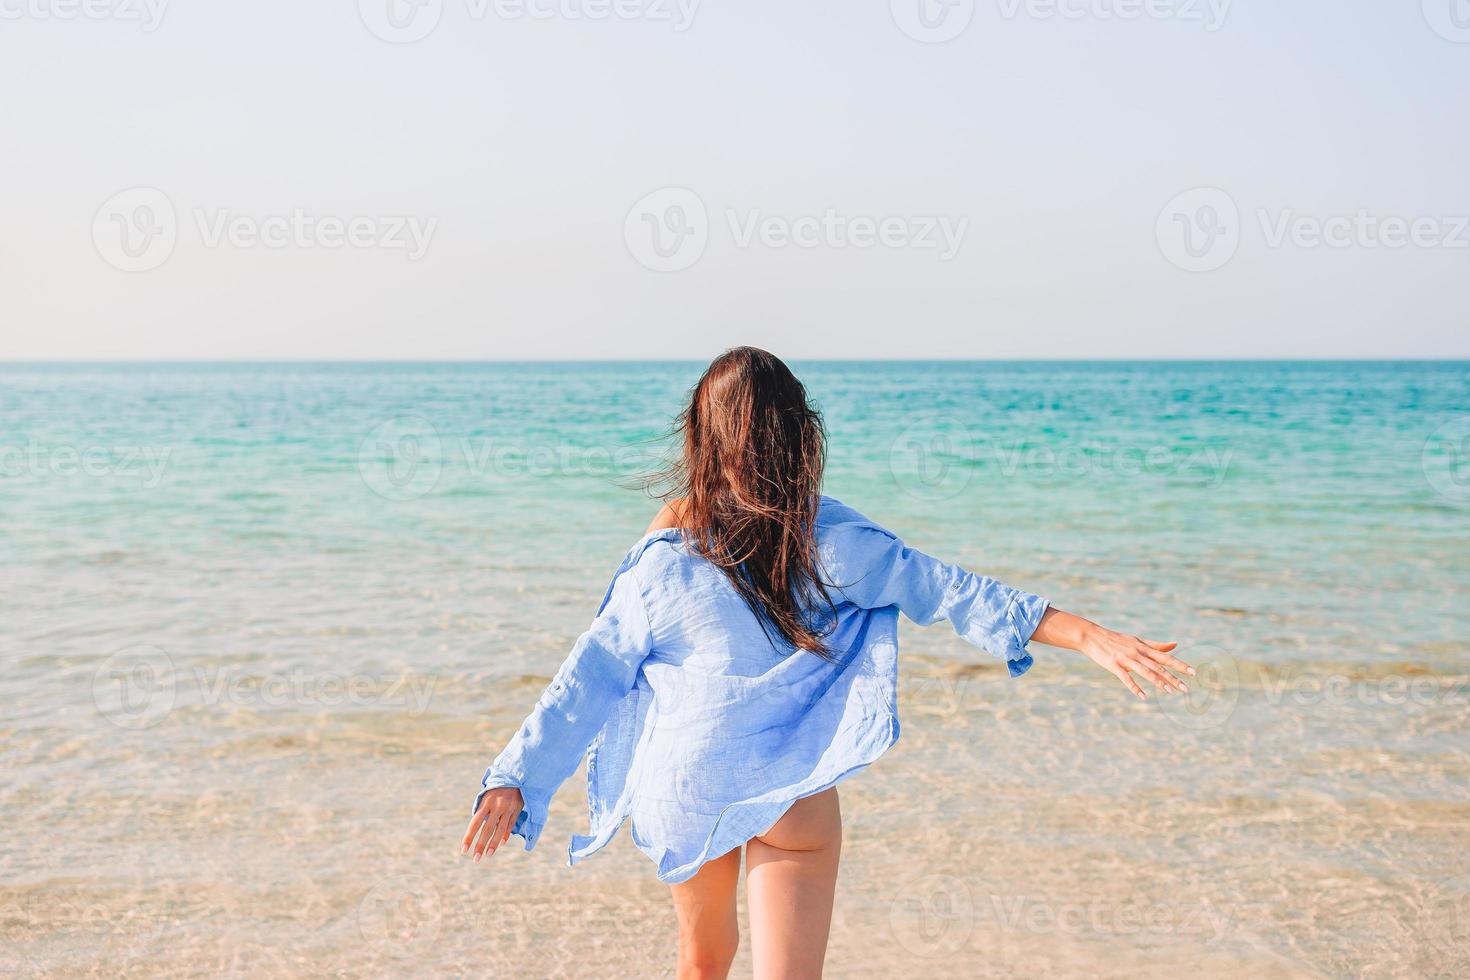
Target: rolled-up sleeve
x=602 y=667
x=873 y=569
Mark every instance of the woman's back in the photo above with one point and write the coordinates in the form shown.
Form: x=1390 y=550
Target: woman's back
x=717 y=724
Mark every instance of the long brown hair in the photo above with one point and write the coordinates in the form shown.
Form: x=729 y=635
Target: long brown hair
x=750 y=473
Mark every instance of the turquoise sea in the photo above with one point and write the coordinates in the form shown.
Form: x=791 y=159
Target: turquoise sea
x=264 y=625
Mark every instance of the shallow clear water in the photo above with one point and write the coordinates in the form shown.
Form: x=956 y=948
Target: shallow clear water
x=265 y=624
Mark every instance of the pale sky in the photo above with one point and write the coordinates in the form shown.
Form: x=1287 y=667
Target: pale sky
x=827 y=179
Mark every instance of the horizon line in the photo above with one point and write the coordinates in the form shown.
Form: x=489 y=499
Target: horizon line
x=1430 y=359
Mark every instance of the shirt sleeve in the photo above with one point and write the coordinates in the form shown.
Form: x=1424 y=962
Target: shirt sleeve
x=601 y=668
x=873 y=569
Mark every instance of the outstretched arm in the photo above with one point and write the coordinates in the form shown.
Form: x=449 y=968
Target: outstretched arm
x=871 y=567
x=875 y=568
x=517 y=788
x=1117 y=653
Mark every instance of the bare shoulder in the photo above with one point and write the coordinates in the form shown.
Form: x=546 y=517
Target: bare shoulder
x=672 y=515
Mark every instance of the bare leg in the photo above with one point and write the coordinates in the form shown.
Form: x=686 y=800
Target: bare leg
x=791 y=878
x=708 y=930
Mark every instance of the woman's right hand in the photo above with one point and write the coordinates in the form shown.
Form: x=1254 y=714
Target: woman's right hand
x=493 y=820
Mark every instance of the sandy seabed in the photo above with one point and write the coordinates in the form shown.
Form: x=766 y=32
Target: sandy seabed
x=1040 y=827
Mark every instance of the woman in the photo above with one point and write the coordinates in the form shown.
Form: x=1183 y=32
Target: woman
x=743 y=662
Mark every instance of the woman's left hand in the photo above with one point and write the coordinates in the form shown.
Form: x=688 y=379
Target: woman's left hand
x=1123 y=656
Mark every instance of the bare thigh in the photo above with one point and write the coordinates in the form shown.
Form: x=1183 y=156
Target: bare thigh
x=708 y=930
x=791 y=877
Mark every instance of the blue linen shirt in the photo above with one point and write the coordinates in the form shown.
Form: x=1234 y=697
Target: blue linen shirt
x=703 y=727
